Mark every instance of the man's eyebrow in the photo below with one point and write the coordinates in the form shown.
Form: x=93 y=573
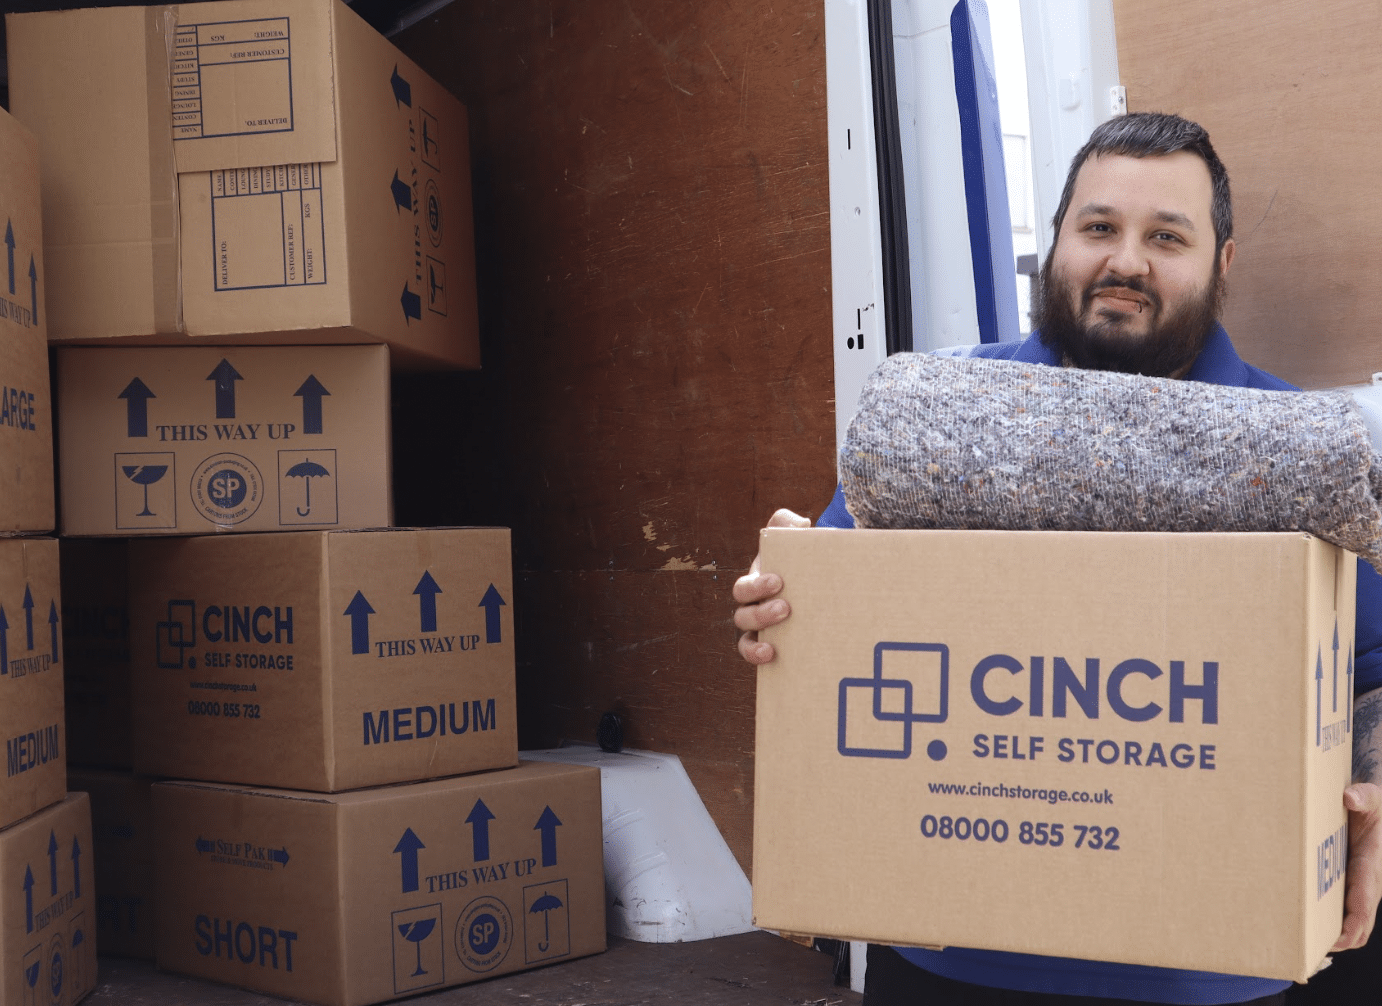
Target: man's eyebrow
x=1179 y=219
x=1095 y=210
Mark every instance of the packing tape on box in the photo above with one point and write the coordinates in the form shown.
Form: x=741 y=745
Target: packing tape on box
x=973 y=444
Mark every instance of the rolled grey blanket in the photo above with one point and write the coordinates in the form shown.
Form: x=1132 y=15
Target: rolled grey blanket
x=972 y=443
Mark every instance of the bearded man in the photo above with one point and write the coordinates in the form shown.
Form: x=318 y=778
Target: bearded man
x=1134 y=282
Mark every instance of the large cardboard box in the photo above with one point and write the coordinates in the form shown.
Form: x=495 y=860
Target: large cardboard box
x=323 y=660
x=122 y=859
x=48 y=936
x=26 y=407
x=195 y=440
x=1120 y=747
x=247 y=170
x=376 y=894
x=31 y=714
x=96 y=641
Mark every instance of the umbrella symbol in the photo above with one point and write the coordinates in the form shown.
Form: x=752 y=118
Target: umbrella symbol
x=415 y=932
x=306 y=470
x=144 y=475
x=544 y=905
x=31 y=974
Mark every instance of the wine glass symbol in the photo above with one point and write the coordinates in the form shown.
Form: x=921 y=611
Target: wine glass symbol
x=415 y=932
x=144 y=475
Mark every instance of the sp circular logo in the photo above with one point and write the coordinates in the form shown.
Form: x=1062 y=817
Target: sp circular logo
x=227 y=489
x=484 y=934
x=433 y=208
x=55 y=968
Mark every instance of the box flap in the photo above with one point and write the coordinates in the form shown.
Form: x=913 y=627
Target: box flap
x=92 y=85
x=253 y=84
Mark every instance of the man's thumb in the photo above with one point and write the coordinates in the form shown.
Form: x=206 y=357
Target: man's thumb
x=786 y=518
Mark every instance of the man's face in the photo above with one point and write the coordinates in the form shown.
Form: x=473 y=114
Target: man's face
x=1133 y=283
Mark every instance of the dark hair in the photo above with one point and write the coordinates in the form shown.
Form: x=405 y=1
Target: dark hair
x=1155 y=134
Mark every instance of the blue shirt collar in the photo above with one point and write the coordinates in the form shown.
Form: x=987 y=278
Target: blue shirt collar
x=1219 y=362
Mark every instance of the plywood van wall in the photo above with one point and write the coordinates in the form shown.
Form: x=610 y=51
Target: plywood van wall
x=653 y=241
x=1289 y=95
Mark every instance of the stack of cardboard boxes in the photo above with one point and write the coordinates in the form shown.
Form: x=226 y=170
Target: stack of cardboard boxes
x=252 y=208
x=46 y=890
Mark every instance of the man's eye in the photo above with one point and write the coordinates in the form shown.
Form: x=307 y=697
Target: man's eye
x=1166 y=236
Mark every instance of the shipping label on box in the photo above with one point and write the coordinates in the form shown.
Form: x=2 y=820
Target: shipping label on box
x=291 y=176
x=377 y=894
x=122 y=859
x=48 y=936
x=31 y=709
x=96 y=642
x=324 y=661
x=1140 y=739
x=187 y=440
x=26 y=410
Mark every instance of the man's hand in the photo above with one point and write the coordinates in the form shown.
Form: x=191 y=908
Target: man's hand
x=759 y=605
x=1363 y=883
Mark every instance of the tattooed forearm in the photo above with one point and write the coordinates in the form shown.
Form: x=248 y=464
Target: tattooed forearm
x=1367 y=738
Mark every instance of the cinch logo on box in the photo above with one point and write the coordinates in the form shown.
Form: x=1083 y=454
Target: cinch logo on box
x=876 y=714
x=915 y=688
x=245 y=623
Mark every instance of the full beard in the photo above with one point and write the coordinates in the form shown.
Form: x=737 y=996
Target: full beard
x=1095 y=340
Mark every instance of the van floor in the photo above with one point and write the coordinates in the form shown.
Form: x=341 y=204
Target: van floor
x=751 y=969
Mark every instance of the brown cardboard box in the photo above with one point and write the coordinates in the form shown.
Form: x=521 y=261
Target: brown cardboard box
x=96 y=650
x=1122 y=747
x=47 y=938
x=309 y=181
x=194 y=440
x=26 y=409
x=323 y=660
x=31 y=716
x=376 y=894
x=122 y=859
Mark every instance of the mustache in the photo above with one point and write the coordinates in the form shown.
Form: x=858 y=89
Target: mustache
x=1133 y=283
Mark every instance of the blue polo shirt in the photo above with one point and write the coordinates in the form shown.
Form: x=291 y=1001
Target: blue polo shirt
x=1218 y=363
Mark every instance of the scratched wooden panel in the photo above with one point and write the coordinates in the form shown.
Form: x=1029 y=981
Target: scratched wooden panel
x=653 y=235
x=1288 y=92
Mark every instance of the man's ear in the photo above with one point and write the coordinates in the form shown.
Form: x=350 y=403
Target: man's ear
x=1226 y=256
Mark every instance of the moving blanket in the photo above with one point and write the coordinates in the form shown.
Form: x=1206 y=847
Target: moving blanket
x=940 y=442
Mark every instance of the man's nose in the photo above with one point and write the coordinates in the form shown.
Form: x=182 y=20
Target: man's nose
x=1128 y=258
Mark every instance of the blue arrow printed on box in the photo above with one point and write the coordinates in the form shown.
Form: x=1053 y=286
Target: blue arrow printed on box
x=492 y=602
x=548 y=824
x=225 y=377
x=53 y=860
x=136 y=395
x=402 y=194
x=407 y=848
x=28 y=617
x=76 y=868
x=479 y=818
x=427 y=591
x=311 y=394
x=359 y=611
x=402 y=90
